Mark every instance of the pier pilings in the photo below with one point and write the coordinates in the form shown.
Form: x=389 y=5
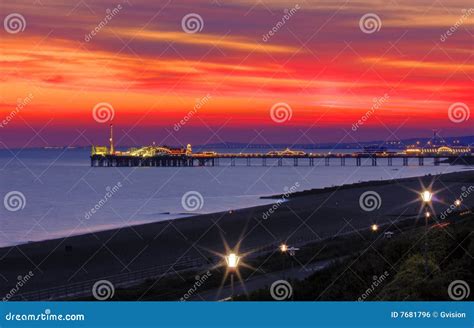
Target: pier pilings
x=120 y=160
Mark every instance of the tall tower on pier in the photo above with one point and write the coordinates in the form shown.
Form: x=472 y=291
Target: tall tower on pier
x=112 y=150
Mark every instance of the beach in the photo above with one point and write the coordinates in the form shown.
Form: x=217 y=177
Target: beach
x=309 y=215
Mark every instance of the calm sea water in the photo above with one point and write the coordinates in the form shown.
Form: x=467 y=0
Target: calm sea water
x=60 y=189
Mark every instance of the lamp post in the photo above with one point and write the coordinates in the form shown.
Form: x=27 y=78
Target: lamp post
x=292 y=252
x=426 y=197
x=374 y=228
x=284 y=250
x=232 y=261
x=457 y=203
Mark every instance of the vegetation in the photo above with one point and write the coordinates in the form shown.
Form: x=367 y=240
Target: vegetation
x=400 y=261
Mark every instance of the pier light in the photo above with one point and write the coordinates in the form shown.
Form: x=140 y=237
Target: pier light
x=427 y=214
x=283 y=248
x=426 y=196
x=232 y=261
x=457 y=202
x=374 y=227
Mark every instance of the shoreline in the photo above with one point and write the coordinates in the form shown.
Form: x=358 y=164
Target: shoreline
x=319 y=213
x=276 y=197
x=361 y=184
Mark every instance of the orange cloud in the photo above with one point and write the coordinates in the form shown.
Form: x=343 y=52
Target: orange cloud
x=208 y=40
x=417 y=64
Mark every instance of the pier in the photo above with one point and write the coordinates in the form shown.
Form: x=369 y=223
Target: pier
x=262 y=159
x=162 y=156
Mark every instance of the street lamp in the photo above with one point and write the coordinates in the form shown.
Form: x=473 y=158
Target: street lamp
x=291 y=251
x=458 y=204
x=374 y=228
x=426 y=197
x=232 y=261
x=284 y=250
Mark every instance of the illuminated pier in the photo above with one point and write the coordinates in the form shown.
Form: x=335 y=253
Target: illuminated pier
x=162 y=156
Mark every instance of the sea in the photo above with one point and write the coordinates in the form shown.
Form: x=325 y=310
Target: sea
x=53 y=193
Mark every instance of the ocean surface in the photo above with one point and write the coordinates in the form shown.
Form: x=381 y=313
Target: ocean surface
x=55 y=193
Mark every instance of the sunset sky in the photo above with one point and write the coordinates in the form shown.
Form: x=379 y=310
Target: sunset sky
x=152 y=72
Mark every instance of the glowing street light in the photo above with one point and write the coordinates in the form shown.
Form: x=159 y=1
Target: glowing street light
x=457 y=203
x=426 y=196
x=232 y=261
x=284 y=250
x=374 y=228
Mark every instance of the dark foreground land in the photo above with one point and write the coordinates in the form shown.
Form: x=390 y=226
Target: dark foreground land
x=394 y=269
x=378 y=268
x=162 y=251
